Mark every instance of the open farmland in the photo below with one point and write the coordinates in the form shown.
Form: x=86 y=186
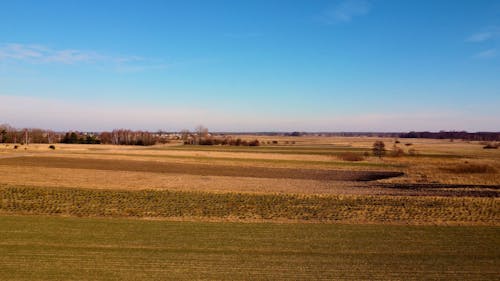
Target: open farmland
x=50 y=248
x=296 y=210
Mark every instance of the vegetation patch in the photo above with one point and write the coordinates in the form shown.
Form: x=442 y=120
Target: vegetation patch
x=236 y=206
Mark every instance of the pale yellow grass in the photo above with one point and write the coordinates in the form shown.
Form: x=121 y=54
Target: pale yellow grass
x=173 y=156
x=138 y=150
x=99 y=179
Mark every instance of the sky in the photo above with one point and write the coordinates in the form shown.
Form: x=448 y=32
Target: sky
x=346 y=65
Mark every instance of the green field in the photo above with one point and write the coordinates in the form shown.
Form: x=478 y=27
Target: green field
x=49 y=248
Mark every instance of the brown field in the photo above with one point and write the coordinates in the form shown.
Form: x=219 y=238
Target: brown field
x=436 y=160
x=303 y=166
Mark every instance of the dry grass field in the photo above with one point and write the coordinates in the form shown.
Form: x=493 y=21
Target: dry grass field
x=293 y=207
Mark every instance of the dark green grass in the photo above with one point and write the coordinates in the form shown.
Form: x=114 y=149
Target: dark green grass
x=55 y=248
x=243 y=206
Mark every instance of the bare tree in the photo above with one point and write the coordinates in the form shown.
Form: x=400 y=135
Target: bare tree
x=185 y=135
x=26 y=137
x=201 y=131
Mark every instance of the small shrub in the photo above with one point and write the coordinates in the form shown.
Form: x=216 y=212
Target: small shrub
x=16 y=146
x=408 y=144
x=470 y=168
x=275 y=142
x=52 y=146
x=349 y=156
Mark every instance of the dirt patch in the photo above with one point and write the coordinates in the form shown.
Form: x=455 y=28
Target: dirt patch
x=199 y=169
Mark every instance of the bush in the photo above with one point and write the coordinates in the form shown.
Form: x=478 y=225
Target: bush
x=52 y=146
x=349 y=156
x=16 y=146
x=408 y=144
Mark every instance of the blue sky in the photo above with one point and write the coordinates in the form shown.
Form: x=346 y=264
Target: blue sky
x=347 y=65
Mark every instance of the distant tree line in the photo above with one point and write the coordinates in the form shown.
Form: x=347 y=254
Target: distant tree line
x=9 y=134
x=479 y=136
x=128 y=137
x=201 y=136
x=74 y=137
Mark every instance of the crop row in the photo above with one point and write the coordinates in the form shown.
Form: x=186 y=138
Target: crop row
x=241 y=206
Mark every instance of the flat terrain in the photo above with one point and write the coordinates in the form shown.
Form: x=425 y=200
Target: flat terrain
x=296 y=210
x=198 y=169
x=48 y=248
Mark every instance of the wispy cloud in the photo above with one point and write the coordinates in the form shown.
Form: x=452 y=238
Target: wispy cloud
x=345 y=11
x=487 y=54
x=485 y=35
x=40 y=54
